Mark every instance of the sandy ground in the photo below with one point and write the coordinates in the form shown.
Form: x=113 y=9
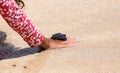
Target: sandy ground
x=95 y=22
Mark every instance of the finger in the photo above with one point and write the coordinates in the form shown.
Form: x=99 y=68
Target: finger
x=71 y=40
x=69 y=45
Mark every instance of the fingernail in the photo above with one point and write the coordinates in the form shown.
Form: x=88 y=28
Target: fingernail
x=75 y=44
x=77 y=39
x=71 y=43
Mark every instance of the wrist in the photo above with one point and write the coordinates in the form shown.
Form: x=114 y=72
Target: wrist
x=45 y=43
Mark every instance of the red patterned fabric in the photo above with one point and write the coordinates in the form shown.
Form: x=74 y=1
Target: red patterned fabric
x=17 y=20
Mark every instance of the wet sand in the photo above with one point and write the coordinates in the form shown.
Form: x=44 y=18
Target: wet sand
x=95 y=22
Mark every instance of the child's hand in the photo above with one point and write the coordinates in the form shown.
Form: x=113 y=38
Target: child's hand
x=52 y=44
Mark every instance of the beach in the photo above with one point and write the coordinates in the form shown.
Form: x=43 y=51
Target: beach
x=95 y=22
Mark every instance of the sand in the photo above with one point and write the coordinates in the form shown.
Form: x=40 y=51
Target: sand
x=95 y=22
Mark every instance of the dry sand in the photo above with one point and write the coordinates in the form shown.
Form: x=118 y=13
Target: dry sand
x=96 y=22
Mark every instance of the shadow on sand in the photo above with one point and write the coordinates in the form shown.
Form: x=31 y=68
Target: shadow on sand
x=8 y=51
